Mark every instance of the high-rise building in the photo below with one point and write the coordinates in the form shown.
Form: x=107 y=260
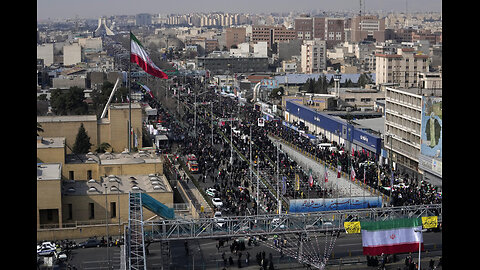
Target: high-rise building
x=368 y=27
x=329 y=29
x=272 y=34
x=404 y=117
x=143 y=19
x=235 y=36
x=313 y=56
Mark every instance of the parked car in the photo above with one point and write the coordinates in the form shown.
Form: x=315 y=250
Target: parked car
x=211 y=192
x=46 y=249
x=217 y=202
x=90 y=243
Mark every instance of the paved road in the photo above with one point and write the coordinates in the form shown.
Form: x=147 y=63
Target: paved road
x=347 y=251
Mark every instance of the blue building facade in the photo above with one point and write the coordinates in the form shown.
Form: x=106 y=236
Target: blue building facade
x=333 y=128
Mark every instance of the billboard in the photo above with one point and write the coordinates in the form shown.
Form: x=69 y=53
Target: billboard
x=331 y=204
x=430 y=158
x=431 y=129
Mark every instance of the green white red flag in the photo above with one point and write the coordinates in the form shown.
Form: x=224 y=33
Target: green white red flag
x=139 y=55
x=391 y=236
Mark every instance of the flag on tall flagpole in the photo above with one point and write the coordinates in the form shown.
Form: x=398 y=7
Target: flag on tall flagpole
x=310 y=177
x=391 y=236
x=139 y=56
x=339 y=169
x=364 y=173
x=326 y=173
x=297 y=182
x=146 y=89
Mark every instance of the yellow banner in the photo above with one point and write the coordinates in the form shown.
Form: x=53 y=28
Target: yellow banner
x=297 y=182
x=352 y=227
x=430 y=222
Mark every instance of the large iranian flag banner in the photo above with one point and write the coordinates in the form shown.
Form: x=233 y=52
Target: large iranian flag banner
x=391 y=236
x=139 y=55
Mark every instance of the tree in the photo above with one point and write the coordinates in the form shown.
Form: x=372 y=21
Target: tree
x=82 y=142
x=70 y=102
x=102 y=148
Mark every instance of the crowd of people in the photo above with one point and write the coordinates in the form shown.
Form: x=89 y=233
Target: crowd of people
x=227 y=171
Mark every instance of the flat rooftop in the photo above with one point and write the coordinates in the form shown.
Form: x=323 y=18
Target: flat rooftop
x=49 y=171
x=50 y=142
x=117 y=184
x=115 y=158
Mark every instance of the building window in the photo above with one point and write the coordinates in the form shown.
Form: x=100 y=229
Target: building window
x=91 y=209
x=70 y=212
x=113 y=210
x=89 y=174
x=71 y=175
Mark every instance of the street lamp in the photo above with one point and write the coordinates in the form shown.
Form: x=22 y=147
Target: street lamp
x=420 y=240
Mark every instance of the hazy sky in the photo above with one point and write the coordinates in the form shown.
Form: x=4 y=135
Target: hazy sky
x=56 y=9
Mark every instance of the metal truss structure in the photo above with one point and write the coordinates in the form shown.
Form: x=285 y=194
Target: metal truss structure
x=240 y=226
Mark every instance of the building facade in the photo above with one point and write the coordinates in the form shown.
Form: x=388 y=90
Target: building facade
x=313 y=56
x=329 y=29
x=235 y=36
x=272 y=34
x=403 y=122
x=112 y=129
x=401 y=68
x=367 y=27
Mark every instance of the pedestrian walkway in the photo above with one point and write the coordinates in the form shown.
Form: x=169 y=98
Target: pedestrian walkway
x=342 y=185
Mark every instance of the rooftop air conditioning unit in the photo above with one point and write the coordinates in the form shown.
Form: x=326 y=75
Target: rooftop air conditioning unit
x=135 y=188
x=92 y=181
x=157 y=187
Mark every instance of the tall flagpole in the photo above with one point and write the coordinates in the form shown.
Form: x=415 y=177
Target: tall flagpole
x=129 y=95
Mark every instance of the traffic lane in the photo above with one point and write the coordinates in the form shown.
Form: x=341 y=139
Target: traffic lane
x=95 y=258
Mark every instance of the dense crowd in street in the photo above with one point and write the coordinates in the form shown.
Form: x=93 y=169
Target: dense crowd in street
x=230 y=174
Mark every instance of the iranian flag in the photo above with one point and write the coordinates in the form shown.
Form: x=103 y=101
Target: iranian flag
x=391 y=236
x=139 y=55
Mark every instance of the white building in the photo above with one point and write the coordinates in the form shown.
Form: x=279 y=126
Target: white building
x=260 y=49
x=72 y=54
x=45 y=52
x=313 y=56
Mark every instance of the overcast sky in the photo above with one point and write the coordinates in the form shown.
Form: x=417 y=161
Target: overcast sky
x=59 y=9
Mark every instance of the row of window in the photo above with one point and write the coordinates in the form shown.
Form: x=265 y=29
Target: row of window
x=91 y=210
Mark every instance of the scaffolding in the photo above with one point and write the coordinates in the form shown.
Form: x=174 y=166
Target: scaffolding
x=135 y=243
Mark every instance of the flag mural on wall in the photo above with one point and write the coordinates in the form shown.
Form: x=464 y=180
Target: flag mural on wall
x=139 y=56
x=391 y=236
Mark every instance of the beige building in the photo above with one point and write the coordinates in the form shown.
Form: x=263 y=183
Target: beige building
x=72 y=54
x=78 y=194
x=318 y=102
x=313 y=56
x=402 y=68
x=112 y=129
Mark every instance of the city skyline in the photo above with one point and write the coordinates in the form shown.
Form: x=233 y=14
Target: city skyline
x=88 y=9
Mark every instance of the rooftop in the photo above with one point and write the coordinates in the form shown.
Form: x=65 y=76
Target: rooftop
x=49 y=171
x=117 y=184
x=115 y=158
x=50 y=142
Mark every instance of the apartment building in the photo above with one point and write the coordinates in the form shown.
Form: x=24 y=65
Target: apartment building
x=235 y=36
x=403 y=123
x=272 y=34
x=313 y=56
x=401 y=68
x=367 y=27
x=329 y=29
